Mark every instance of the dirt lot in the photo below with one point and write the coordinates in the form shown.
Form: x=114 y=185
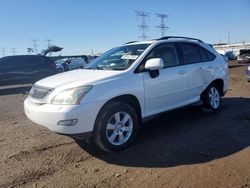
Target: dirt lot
x=183 y=148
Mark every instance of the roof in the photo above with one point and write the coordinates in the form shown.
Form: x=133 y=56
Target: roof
x=168 y=38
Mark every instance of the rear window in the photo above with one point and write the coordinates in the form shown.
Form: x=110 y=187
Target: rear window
x=206 y=55
x=194 y=53
x=190 y=53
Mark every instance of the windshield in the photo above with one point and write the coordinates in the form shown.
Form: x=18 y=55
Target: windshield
x=119 y=58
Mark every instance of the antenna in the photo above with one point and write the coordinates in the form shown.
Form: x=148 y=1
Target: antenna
x=35 y=44
x=49 y=42
x=163 y=26
x=143 y=26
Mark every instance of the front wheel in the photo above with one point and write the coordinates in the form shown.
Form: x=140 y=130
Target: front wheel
x=212 y=98
x=116 y=126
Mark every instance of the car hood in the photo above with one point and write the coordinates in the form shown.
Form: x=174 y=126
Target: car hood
x=77 y=78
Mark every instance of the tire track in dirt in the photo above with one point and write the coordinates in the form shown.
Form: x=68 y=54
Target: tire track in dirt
x=28 y=176
x=31 y=165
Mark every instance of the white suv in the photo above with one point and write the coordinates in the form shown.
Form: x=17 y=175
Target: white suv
x=110 y=97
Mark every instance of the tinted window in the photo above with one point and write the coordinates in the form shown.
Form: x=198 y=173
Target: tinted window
x=203 y=55
x=167 y=53
x=190 y=53
x=210 y=55
x=206 y=55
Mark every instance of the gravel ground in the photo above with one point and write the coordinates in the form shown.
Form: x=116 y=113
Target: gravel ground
x=182 y=148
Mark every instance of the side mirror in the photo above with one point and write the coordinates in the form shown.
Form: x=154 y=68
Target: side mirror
x=154 y=64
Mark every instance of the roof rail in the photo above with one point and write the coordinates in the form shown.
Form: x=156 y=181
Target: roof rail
x=130 y=42
x=177 y=37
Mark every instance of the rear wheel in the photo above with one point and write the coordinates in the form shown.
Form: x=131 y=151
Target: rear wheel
x=116 y=126
x=212 y=98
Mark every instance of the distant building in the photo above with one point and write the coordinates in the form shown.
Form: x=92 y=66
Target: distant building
x=236 y=47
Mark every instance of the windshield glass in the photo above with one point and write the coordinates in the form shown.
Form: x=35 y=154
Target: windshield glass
x=119 y=58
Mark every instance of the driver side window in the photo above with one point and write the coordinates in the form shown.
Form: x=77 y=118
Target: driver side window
x=168 y=54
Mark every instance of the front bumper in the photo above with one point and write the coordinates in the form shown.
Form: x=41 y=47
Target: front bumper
x=49 y=115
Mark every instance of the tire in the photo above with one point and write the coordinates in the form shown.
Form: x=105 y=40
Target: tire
x=212 y=98
x=110 y=132
x=60 y=70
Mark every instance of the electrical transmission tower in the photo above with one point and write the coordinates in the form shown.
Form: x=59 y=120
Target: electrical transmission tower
x=163 y=26
x=49 y=42
x=143 y=26
x=35 y=45
x=13 y=50
x=3 y=52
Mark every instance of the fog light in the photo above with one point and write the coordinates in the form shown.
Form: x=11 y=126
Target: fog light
x=68 y=122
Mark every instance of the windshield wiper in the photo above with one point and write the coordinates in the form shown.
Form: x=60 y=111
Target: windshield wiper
x=99 y=68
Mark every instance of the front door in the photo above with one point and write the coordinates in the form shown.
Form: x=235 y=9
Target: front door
x=169 y=89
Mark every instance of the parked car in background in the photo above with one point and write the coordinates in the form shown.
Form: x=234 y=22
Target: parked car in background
x=248 y=73
x=63 y=65
x=22 y=69
x=127 y=85
x=223 y=54
x=244 y=56
x=230 y=55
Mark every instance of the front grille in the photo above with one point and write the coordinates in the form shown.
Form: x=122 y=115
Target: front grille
x=39 y=92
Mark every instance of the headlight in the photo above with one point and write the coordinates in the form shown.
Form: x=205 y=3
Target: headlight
x=71 y=96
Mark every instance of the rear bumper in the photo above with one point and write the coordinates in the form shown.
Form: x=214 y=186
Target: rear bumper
x=243 y=60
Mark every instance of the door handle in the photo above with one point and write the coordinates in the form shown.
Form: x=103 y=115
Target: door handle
x=182 y=72
x=210 y=67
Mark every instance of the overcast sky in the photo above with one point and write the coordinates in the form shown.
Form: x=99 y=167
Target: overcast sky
x=81 y=26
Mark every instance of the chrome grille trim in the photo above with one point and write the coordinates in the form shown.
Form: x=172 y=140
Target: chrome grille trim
x=39 y=92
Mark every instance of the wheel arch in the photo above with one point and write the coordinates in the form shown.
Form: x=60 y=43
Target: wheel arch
x=219 y=83
x=130 y=100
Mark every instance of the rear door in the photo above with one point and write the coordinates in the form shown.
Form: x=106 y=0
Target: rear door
x=199 y=64
x=169 y=89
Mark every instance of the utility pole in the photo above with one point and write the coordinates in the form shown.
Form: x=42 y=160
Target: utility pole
x=35 y=45
x=13 y=50
x=3 y=51
x=163 y=26
x=143 y=26
x=49 y=42
x=228 y=37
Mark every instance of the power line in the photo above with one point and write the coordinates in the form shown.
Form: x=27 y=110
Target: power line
x=35 y=45
x=163 y=26
x=143 y=26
